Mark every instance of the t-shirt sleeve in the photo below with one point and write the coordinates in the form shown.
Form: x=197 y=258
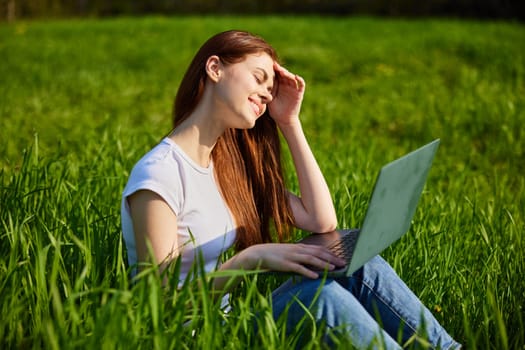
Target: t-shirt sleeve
x=159 y=176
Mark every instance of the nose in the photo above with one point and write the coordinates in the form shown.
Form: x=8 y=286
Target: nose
x=266 y=96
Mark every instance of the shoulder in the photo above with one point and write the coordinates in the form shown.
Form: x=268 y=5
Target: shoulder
x=160 y=163
x=157 y=171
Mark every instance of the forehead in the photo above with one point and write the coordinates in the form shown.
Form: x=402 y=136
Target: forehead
x=261 y=61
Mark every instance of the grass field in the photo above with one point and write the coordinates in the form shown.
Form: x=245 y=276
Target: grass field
x=82 y=100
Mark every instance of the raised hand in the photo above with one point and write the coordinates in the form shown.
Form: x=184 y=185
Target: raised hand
x=287 y=96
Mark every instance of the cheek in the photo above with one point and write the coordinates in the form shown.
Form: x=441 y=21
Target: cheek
x=228 y=92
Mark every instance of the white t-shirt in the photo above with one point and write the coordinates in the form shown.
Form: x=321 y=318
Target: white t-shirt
x=204 y=222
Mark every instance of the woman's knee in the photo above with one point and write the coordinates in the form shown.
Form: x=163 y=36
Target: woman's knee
x=375 y=267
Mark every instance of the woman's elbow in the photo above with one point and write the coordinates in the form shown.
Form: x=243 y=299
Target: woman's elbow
x=332 y=226
x=326 y=224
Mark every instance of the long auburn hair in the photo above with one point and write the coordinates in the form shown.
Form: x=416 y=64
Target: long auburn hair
x=247 y=162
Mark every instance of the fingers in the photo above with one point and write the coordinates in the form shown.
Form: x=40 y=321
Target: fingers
x=299 y=82
x=309 y=268
x=307 y=259
x=298 y=268
x=321 y=253
x=303 y=270
x=287 y=78
x=304 y=259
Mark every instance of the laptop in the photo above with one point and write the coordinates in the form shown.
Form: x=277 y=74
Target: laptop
x=392 y=205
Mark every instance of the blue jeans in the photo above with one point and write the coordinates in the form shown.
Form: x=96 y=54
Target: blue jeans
x=372 y=305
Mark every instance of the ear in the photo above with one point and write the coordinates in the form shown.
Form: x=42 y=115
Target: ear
x=214 y=68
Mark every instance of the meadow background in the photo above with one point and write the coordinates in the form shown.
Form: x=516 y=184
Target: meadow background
x=82 y=100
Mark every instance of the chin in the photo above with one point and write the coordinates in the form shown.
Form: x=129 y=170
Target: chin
x=250 y=123
x=250 y=126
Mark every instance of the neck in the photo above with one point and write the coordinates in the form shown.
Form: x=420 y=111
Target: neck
x=198 y=134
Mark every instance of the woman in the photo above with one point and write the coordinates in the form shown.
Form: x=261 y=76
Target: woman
x=216 y=181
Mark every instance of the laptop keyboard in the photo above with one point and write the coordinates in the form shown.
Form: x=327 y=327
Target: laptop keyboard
x=344 y=247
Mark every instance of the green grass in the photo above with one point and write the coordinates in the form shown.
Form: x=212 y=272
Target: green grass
x=82 y=100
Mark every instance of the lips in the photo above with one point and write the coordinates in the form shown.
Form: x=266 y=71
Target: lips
x=257 y=107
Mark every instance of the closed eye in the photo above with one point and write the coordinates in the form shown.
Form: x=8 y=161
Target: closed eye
x=261 y=77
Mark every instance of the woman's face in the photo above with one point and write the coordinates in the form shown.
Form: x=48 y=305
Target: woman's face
x=245 y=89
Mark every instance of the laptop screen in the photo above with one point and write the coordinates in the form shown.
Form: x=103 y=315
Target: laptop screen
x=393 y=203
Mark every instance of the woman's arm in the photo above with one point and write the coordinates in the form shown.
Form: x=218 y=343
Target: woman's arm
x=153 y=223
x=302 y=259
x=314 y=209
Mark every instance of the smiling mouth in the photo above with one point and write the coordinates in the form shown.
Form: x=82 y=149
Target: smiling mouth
x=256 y=107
